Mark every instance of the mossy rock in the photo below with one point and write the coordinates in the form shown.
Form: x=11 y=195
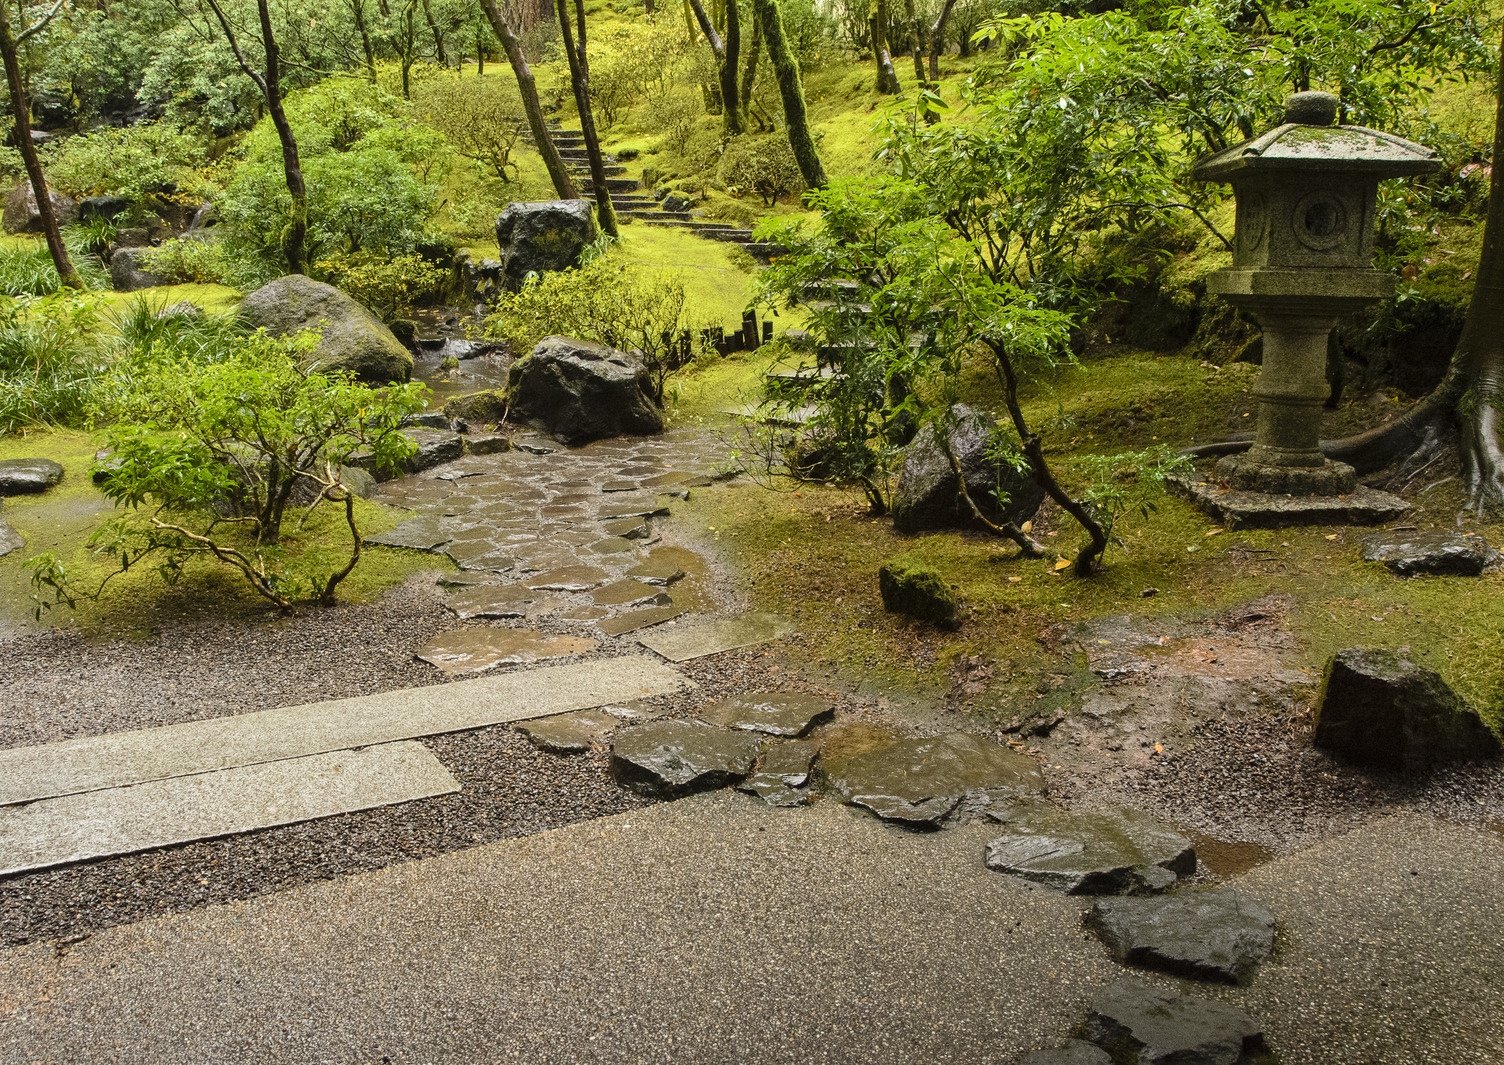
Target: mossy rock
x=912 y=588
x=478 y=408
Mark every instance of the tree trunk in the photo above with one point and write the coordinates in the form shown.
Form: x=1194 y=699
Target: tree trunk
x=21 y=109
x=579 y=76
x=358 y=10
x=791 y=88
x=749 y=69
x=558 y=173
x=877 y=22
x=438 y=38
x=937 y=39
x=295 y=235
x=916 y=27
x=480 y=53
x=1480 y=352
x=727 y=59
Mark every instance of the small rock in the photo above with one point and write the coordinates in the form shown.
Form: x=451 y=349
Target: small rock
x=429 y=419
x=434 y=449
x=774 y=714
x=28 y=476
x=918 y=782
x=129 y=271
x=487 y=443
x=1112 y=852
x=1437 y=552
x=10 y=540
x=568 y=733
x=478 y=408
x=917 y=590
x=1208 y=935
x=1073 y=1053
x=1138 y=1023
x=1378 y=708
x=782 y=774
x=667 y=759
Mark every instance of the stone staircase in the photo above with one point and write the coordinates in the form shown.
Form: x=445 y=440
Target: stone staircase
x=630 y=202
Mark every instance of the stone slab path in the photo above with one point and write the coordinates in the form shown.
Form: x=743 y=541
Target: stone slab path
x=680 y=645
x=29 y=773
x=717 y=927
x=99 y=824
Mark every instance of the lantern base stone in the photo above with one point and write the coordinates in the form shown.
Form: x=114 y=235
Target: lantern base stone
x=1238 y=509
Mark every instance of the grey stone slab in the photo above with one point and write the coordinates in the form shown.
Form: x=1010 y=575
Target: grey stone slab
x=477 y=650
x=1207 y=935
x=28 y=773
x=1439 y=552
x=568 y=733
x=639 y=619
x=1105 y=852
x=569 y=579
x=158 y=813
x=629 y=592
x=776 y=713
x=10 y=540
x=680 y=645
x=20 y=476
x=424 y=533
x=1256 y=510
x=918 y=782
x=498 y=601
x=1153 y=1026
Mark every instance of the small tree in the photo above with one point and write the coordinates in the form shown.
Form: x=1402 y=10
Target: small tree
x=207 y=457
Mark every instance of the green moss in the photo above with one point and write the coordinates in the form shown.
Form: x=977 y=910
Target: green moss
x=908 y=586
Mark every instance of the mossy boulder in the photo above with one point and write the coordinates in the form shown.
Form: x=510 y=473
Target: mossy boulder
x=478 y=408
x=912 y=588
x=352 y=339
x=536 y=238
x=926 y=494
x=1378 y=708
x=580 y=391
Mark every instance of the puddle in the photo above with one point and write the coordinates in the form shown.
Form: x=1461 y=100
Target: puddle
x=1225 y=858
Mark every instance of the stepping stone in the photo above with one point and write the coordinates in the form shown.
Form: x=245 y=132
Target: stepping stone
x=27 y=476
x=656 y=571
x=1112 y=852
x=121 y=758
x=535 y=444
x=628 y=591
x=634 y=711
x=621 y=486
x=568 y=733
x=667 y=759
x=10 y=540
x=612 y=545
x=158 y=813
x=628 y=528
x=460 y=550
x=782 y=774
x=683 y=644
x=677 y=477
x=495 y=562
x=1207 y=935
x=414 y=492
x=920 y=781
x=574 y=537
x=1255 y=510
x=1073 y=1053
x=476 y=650
x=569 y=579
x=466 y=579
x=1146 y=1025
x=626 y=508
x=500 y=601
x=424 y=533
x=586 y=613
x=640 y=619
x=546 y=560
x=775 y=714
x=1438 y=552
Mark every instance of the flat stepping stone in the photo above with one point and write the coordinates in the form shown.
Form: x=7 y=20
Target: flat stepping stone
x=640 y=619
x=426 y=532
x=495 y=562
x=777 y=714
x=476 y=650
x=627 y=592
x=1437 y=552
x=1075 y=1052
x=1207 y=935
x=782 y=774
x=656 y=571
x=1145 y=1024
x=500 y=601
x=679 y=478
x=681 y=645
x=568 y=733
x=638 y=508
x=611 y=545
x=1255 y=510
x=28 y=476
x=158 y=813
x=569 y=579
x=1111 y=852
x=635 y=710
x=466 y=579
x=668 y=759
x=628 y=528
x=122 y=758
x=586 y=613
x=10 y=540
x=920 y=781
x=621 y=486
x=459 y=550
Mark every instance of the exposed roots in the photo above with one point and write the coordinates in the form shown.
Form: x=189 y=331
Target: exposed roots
x=1482 y=458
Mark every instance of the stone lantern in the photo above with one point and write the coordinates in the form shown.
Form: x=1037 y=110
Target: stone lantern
x=1307 y=193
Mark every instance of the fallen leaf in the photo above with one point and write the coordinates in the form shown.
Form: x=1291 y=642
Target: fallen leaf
x=1159 y=748
x=1028 y=526
x=1064 y=563
x=1214 y=532
x=1015 y=580
x=1331 y=536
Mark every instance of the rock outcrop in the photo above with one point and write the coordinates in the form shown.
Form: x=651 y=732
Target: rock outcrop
x=352 y=339
x=579 y=391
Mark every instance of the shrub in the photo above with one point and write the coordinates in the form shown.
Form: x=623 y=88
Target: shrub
x=207 y=454
x=675 y=115
x=762 y=165
x=389 y=287
x=50 y=360
x=188 y=261
x=607 y=302
x=147 y=159
x=481 y=118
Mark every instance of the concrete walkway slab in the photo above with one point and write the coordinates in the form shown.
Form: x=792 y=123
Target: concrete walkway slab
x=52 y=769
x=680 y=645
x=99 y=824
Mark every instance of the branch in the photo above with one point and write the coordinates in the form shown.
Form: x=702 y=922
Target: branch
x=41 y=25
x=716 y=44
x=235 y=47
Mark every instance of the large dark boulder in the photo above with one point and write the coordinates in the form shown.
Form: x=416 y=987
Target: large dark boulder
x=107 y=207
x=129 y=271
x=1378 y=708
x=926 y=494
x=579 y=391
x=25 y=476
x=352 y=338
x=539 y=237
x=21 y=214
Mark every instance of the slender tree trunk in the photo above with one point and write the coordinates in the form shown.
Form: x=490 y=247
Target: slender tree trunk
x=438 y=38
x=1480 y=352
x=21 y=110
x=579 y=76
x=937 y=39
x=480 y=53
x=877 y=22
x=791 y=88
x=749 y=68
x=527 y=87
x=916 y=27
x=727 y=59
